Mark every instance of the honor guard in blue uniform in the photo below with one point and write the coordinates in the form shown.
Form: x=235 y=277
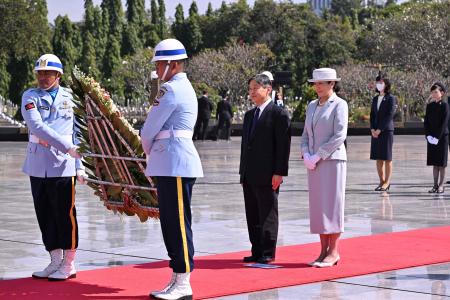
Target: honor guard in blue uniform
x=174 y=161
x=53 y=163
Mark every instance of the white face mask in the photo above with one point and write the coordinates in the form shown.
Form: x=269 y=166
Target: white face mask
x=380 y=86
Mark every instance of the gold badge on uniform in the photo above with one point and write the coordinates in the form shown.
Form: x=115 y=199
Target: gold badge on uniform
x=65 y=105
x=43 y=63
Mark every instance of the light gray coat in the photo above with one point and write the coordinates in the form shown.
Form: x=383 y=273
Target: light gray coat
x=325 y=137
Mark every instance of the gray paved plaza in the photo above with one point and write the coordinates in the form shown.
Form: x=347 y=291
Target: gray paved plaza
x=219 y=220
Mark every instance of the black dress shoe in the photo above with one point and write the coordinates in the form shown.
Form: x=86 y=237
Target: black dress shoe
x=265 y=259
x=251 y=258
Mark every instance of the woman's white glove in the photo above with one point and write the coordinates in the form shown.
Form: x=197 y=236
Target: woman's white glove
x=81 y=176
x=307 y=161
x=315 y=159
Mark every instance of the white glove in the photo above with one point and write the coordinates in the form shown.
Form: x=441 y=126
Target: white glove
x=432 y=140
x=153 y=75
x=73 y=152
x=81 y=176
x=315 y=159
x=308 y=163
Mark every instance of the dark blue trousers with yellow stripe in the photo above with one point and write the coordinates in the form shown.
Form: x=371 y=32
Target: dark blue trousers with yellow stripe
x=54 y=203
x=174 y=195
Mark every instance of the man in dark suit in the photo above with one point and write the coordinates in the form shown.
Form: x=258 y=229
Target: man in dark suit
x=204 y=114
x=224 y=114
x=265 y=149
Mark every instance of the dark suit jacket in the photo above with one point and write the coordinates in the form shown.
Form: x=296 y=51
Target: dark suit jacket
x=383 y=118
x=224 y=110
x=436 y=119
x=266 y=153
x=205 y=108
x=448 y=101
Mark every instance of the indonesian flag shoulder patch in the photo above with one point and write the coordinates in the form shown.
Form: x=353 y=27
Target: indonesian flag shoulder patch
x=29 y=106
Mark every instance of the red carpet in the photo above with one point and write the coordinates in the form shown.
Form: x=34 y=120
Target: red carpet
x=224 y=274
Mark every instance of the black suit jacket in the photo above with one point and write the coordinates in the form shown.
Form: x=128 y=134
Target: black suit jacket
x=205 y=108
x=436 y=119
x=266 y=152
x=383 y=118
x=224 y=110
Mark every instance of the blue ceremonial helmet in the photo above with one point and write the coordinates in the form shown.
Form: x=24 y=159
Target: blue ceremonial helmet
x=48 y=62
x=169 y=49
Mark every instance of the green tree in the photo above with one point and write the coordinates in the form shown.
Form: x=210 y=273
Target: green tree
x=135 y=73
x=193 y=9
x=154 y=12
x=162 y=26
x=89 y=17
x=112 y=61
x=89 y=58
x=112 y=57
x=4 y=76
x=209 y=10
x=232 y=24
x=417 y=34
x=178 y=26
x=150 y=34
x=102 y=28
x=136 y=22
x=193 y=35
x=115 y=16
x=64 y=42
x=192 y=38
x=136 y=12
x=344 y=8
x=93 y=40
x=230 y=67
x=24 y=36
x=131 y=42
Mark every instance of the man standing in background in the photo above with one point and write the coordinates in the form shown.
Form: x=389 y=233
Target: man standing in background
x=224 y=114
x=205 y=108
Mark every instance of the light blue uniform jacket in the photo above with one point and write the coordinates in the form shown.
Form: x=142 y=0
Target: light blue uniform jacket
x=52 y=121
x=175 y=108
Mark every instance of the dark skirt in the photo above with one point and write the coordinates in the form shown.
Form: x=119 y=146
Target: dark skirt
x=437 y=154
x=381 y=147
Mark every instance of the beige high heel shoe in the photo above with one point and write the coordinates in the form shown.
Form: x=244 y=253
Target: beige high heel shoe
x=314 y=263
x=327 y=264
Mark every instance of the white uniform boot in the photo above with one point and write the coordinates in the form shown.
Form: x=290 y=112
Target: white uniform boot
x=168 y=286
x=180 y=289
x=67 y=268
x=56 y=257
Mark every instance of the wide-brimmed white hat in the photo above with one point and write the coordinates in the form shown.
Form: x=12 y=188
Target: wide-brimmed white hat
x=324 y=74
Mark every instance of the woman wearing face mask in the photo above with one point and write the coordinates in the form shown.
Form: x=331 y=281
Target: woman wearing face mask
x=436 y=132
x=382 y=130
